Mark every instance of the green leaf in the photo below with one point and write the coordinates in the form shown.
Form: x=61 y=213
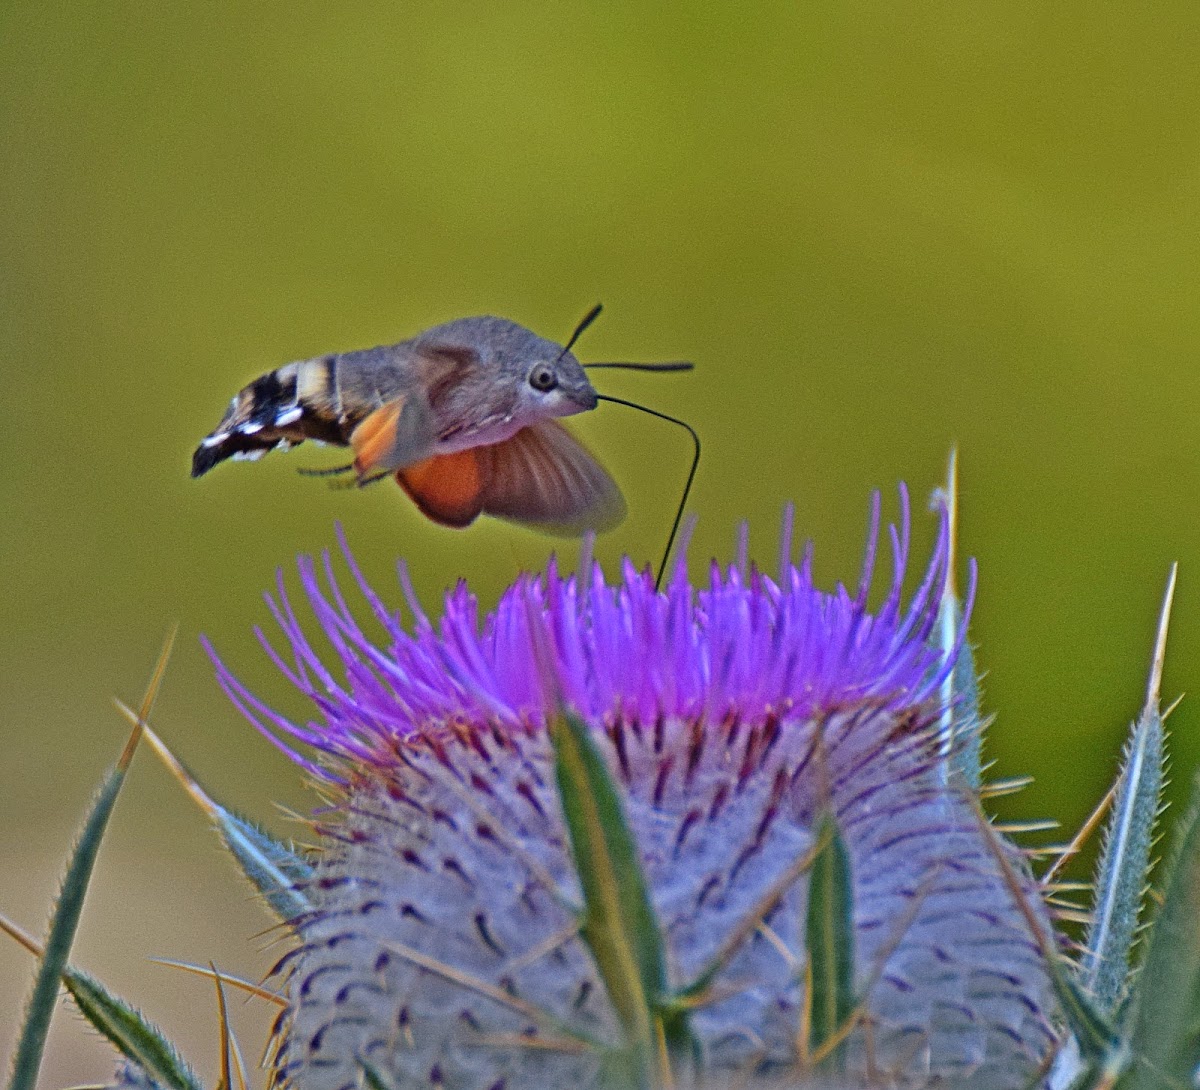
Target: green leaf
x=618 y=924
x=829 y=942
x=65 y=921
x=63 y=926
x=964 y=723
x=961 y=730
x=1165 y=1038
x=1098 y=1074
x=1098 y=1041
x=138 y=1040
x=274 y=868
x=1125 y=860
x=371 y=1077
x=1124 y=865
x=696 y=992
x=621 y=1069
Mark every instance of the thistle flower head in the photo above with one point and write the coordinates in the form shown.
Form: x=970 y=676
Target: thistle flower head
x=444 y=944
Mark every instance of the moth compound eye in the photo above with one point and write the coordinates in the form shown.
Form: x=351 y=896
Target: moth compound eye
x=543 y=378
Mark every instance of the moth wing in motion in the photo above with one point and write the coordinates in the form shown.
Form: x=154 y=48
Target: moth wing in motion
x=543 y=477
x=447 y=488
x=399 y=433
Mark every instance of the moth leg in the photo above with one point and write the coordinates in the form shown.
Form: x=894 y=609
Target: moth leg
x=332 y=471
x=336 y=471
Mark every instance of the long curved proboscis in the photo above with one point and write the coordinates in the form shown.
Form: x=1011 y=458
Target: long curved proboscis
x=662 y=567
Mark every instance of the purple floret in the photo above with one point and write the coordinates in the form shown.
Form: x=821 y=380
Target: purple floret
x=748 y=645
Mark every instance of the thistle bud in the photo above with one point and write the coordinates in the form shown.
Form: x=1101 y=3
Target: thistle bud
x=446 y=944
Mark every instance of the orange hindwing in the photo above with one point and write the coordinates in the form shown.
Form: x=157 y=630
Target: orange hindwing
x=447 y=488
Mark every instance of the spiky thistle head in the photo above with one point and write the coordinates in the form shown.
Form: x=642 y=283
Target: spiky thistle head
x=449 y=941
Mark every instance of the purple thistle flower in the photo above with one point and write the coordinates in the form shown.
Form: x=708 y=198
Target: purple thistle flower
x=442 y=949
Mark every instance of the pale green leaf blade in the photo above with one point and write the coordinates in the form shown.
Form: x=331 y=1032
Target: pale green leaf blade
x=274 y=868
x=1098 y=1074
x=63 y=926
x=1165 y=1038
x=1125 y=859
x=65 y=921
x=1124 y=865
x=372 y=1079
x=960 y=732
x=138 y=1040
x=619 y=924
x=1097 y=1040
x=829 y=940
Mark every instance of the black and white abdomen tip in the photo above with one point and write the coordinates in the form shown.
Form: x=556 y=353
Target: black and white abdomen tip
x=264 y=416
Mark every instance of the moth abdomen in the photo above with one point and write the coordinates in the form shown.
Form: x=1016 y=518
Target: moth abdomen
x=276 y=411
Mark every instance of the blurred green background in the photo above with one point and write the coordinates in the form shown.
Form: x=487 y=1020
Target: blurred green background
x=877 y=229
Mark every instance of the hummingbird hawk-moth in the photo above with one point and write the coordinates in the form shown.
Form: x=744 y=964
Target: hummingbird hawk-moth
x=465 y=416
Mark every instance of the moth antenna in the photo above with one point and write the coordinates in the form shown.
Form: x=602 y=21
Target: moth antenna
x=332 y=471
x=588 y=319
x=687 y=487
x=673 y=365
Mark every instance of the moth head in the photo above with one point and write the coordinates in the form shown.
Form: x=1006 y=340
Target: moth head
x=496 y=365
x=558 y=386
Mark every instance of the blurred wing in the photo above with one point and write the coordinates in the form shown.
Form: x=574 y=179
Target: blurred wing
x=447 y=489
x=545 y=477
x=396 y=434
